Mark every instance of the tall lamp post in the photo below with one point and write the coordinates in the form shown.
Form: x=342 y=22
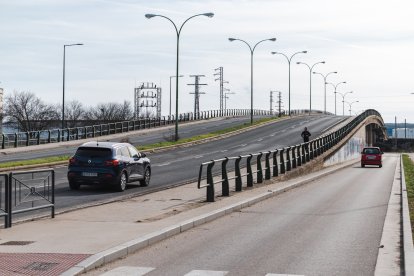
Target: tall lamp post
x=289 y=59
x=335 y=86
x=310 y=81
x=324 y=78
x=178 y=32
x=343 y=100
x=251 y=69
x=63 y=101
x=169 y=114
x=350 y=106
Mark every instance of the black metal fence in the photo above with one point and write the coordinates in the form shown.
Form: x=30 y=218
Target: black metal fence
x=276 y=162
x=22 y=139
x=26 y=192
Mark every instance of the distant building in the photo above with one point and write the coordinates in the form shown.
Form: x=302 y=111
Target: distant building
x=402 y=133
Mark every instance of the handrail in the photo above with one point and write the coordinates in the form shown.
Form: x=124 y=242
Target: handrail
x=290 y=158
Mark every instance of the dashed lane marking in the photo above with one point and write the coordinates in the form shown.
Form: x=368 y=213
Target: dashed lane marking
x=206 y=273
x=128 y=271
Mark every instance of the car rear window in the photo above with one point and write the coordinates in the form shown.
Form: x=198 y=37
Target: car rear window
x=94 y=152
x=371 y=151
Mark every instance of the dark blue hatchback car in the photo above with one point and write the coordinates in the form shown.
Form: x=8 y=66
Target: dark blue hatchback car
x=108 y=163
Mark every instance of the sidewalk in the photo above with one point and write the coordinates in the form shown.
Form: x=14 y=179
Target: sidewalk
x=78 y=241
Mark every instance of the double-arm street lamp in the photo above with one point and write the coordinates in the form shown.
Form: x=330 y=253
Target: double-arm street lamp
x=335 y=86
x=350 y=106
x=63 y=101
x=251 y=69
x=169 y=114
x=289 y=59
x=310 y=81
x=178 y=32
x=343 y=100
x=324 y=81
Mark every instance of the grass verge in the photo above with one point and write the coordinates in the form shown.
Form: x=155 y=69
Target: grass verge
x=37 y=161
x=409 y=181
x=204 y=136
x=47 y=160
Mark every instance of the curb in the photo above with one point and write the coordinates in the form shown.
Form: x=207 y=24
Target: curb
x=132 y=246
x=408 y=250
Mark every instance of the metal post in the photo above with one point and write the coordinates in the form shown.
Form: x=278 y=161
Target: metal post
x=259 y=168
x=224 y=178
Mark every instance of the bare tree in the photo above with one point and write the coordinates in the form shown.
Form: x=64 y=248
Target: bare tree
x=74 y=111
x=110 y=112
x=28 y=112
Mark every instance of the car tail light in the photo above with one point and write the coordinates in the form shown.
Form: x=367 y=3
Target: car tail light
x=72 y=161
x=112 y=163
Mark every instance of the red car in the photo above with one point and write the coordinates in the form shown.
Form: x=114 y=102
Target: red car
x=371 y=156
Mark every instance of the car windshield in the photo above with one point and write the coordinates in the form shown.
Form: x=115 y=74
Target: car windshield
x=371 y=151
x=93 y=152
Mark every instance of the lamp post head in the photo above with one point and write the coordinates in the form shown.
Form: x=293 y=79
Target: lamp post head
x=275 y=53
x=304 y=52
x=272 y=39
x=208 y=14
x=298 y=62
x=335 y=72
x=322 y=62
x=150 y=15
x=232 y=39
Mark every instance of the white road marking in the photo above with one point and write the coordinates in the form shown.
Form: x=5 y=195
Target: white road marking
x=272 y=274
x=206 y=273
x=259 y=140
x=128 y=271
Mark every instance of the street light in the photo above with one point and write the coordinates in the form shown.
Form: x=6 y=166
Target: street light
x=350 y=106
x=225 y=98
x=289 y=59
x=178 y=32
x=63 y=101
x=170 y=93
x=251 y=69
x=343 y=100
x=335 y=86
x=324 y=78
x=310 y=81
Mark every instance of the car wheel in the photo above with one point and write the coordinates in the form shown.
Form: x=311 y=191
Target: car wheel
x=362 y=165
x=73 y=185
x=147 y=176
x=122 y=182
x=380 y=166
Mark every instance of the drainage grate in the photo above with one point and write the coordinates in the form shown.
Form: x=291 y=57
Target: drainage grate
x=40 y=266
x=17 y=243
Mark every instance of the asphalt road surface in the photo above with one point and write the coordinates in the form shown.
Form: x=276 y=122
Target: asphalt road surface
x=331 y=226
x=181 y=165
x=141 y=138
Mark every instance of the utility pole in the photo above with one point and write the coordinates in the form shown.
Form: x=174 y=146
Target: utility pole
x=271 y=100
x=279 y=102
x=222 y=82
x=405 y=126
x=197 y=94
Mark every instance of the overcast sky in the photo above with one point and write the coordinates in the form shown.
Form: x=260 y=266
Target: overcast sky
x=370 y=43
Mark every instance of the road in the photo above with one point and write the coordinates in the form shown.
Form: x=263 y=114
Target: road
x=331 y=226
x=181 y=165
x=142 y=137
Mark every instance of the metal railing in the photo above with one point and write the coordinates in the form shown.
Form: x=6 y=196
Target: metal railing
x=26 y=191
x=290 y=158
x=22 y=139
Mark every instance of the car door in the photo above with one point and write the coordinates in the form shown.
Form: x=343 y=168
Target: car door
x=138 y=162
x=129 y=162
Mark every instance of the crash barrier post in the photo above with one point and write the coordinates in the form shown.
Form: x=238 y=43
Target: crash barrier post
x=5 y=198
x=296 y=156
x=30 y=191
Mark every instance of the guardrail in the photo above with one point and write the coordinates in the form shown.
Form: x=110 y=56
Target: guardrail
x=290 y=158
x=22 y=139
x=26 y=191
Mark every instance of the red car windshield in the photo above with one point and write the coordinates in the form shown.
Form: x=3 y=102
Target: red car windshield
x=371 y=151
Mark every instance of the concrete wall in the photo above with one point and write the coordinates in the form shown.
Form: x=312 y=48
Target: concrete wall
x=350 y=150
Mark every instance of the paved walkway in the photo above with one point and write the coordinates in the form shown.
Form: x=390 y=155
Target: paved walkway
x=81 y=240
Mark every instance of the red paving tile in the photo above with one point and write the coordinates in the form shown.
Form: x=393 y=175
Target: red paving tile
x=47 y=264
